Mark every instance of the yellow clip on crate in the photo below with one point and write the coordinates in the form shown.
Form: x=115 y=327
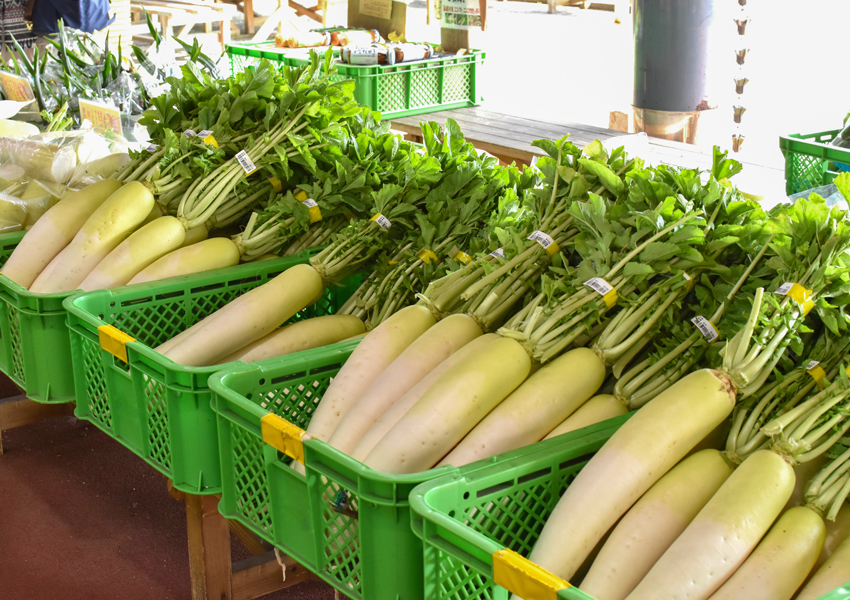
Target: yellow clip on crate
x=114 y=341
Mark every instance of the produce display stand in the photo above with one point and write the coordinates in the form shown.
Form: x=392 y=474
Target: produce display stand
x=347 y=523
x=478 y=525
x=213 y=575
x=443 y=82
x=16 y=410
x=810 y=161
x=155 y=407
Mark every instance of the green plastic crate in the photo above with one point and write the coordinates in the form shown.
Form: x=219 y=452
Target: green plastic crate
x=492 y=514
x=35 y=348
x=413 y=88
x=364 y=547
x=810 y=160
x=155 y=407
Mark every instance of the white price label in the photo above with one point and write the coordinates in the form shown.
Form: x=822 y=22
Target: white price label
x=686 y=276
x=599 y=285
x=204 y=133
x=245 y=162
x=382 y=221
x=189 y=133
x=706 y=328
x=498 y=253
x=812 y=364
x=309 y=203
x=152 y=148
x=545 y=240
x=783 y=289
x=363 y=56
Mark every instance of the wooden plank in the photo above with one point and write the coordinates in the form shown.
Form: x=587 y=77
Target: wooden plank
x=248 y=9
x=20 y=410
x=301 y=10
x=261 y=575
x=255 y=545
x=209 y=549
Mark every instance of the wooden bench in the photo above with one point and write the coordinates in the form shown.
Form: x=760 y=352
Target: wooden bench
x=509 y=138
x=185 y=14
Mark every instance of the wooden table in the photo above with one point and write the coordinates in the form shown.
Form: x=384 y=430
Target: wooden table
x=509 y=138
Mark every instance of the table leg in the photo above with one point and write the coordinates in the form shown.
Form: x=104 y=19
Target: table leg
x=18 y=410
x=209 y=549
x=248 y=8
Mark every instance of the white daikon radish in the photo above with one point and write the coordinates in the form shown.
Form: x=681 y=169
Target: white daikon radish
x=451 y=408
x=645 y=533
x=403 y=404
x=248 y=318
x=55 y=230
x=597 y=409
x=546 y=398
x=646 y=447
x=147 y=244
x=781 y=562
x=302 y=335
x=108 y=226
x=723 y=534
x=418 y=359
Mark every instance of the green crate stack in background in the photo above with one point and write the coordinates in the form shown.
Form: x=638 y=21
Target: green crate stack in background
x=438 y=83
x=155 y=407
x=35 y=348
x=344 y=521
x=810 y=161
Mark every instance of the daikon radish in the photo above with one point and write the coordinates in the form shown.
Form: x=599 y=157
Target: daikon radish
x=47 y=272
x=249 y=317
x=653 y=524
x=371 y=357
x=106 y=166
x=723 y=534
x=302 y=335
x=55 y=230
x=403 y=404
x=11 y=128
x=147 y=244
x=195 y=235
x=548 y=397
x=214 y=253
x=418 y=359
x=108 y=226
x=597 y=409
x=49 y=162
x=834 y=573
x=836 y=532
x=449 y=410
x=781 y=562
x=648 y=445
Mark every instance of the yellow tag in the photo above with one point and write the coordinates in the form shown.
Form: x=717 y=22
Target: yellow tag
x=426 y=256
x=211 y=140
x=818 y=374
x=283 y=435
x=114 y=341
x=801 y=296
x=312 y=206
x=393 y=262
x=276 y=185
x=524 y=578
x=462 y=257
